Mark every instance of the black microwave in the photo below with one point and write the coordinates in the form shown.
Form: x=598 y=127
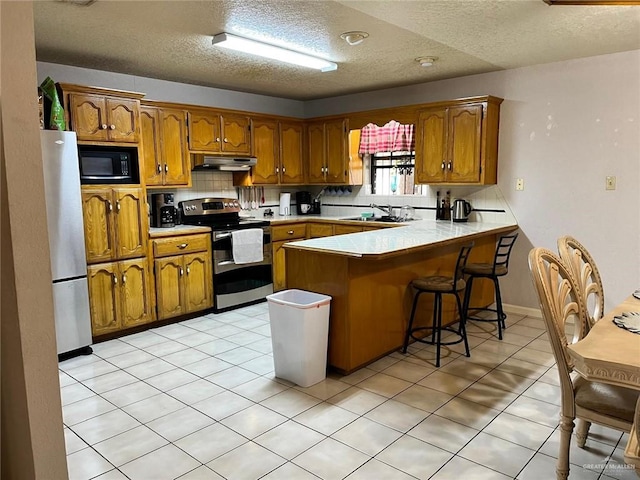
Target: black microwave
x=99 y=164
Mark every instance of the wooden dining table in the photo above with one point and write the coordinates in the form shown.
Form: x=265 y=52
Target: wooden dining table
x=611 y=354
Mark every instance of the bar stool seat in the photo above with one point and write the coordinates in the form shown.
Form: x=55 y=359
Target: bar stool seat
x=491 y=271
x=439 y=285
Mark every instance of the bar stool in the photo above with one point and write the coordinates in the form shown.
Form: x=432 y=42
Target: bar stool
x=492 y=271
x=440 y=285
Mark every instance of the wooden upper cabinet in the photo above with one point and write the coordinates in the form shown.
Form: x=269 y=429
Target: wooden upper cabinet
x=291 y=153
x=336 y=151
x=328 y=152
x=204 y=131
x=151 y=148
x=457 y=143
x=236 y=134
x=99 y=118
x=316 y=153
x=212 y=131
x=115 y=223
x=431 y=146
x=266 y=149
x=164 y=147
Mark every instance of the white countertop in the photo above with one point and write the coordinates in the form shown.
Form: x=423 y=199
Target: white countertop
x=410 y=235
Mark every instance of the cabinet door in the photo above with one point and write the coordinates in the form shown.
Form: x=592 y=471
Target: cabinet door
x=204 y=132
x=104 y=302
x=265 y=146
x=151 y=149
x=336 y=151
x=173 y=139
x=279 y=266
x=135 y=296
x=291 y=156
x=89 y=117
x=316 y=150
x=122 y=116
x=131 y=222
x=236 y=137
x=99 y=228
x=198 y=282
x=464 y=143
x=431 y=146
x=169 y=273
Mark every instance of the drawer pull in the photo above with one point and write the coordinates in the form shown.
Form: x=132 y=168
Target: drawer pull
x=290 y=232
x=182 y=246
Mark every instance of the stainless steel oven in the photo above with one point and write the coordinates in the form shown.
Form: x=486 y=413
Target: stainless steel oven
x=234 y=285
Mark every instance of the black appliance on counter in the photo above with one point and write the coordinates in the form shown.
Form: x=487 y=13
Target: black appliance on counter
x=234 y=285
x=303 y=203
x=163 y=211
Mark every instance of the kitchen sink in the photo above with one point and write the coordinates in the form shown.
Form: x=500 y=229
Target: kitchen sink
x=384 y=218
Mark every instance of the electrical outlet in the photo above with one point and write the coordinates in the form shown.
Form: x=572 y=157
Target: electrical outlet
x=610 y=183
x=519 y=183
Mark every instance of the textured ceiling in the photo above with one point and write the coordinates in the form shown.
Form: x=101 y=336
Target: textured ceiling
x=171 y=40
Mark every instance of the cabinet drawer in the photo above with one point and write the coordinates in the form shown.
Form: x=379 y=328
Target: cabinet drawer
x=320 y=230
x=343 y=229
x=288 y=232
x=163 y=247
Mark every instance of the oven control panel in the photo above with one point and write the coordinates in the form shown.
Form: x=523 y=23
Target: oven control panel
x=209 y=206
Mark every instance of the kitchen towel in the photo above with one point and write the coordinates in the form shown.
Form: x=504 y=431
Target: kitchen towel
x=246 y=246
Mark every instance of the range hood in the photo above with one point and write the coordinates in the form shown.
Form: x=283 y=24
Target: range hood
x=228 y=164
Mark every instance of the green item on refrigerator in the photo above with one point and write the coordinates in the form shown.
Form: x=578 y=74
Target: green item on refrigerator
x=56 y=119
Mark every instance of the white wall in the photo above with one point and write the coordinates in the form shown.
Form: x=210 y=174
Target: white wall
x=563 y=127
x=172 y=91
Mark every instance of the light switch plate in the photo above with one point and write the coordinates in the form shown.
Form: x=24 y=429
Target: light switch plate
x=610 y=182
x=519 y=183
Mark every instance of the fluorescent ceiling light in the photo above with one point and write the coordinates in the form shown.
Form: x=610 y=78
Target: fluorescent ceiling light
x=233 y=42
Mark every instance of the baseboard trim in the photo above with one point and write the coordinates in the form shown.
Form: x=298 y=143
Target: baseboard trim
x=529 y=312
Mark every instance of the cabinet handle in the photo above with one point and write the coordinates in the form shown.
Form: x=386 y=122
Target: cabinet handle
x=104 y=126
x=112 y=127
x=283 y=170
x=159 y=168
x=115 y=279
x=225 y=140
x=443 y=165
x=188 y=270
x=277 y=170
x=110 y=205
x=118 y=206
x=449 y=166
x=181 y=271
x=166 y=168
x=217 y=139
x=182 y=246
x=124 y=279
x=290 y=232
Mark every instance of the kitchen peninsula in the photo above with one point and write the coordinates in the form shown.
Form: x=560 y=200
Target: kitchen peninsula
x=367 y=275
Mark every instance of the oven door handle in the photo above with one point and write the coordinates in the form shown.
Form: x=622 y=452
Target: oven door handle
x=223 y=235
x=226 y=262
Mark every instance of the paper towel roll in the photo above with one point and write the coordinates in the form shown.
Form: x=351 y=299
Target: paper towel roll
x=285 y=204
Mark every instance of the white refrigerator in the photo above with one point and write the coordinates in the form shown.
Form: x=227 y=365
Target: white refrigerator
x=66 y=241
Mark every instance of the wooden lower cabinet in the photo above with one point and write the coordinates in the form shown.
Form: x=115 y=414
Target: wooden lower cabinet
x=119 y=295
x=184 y=282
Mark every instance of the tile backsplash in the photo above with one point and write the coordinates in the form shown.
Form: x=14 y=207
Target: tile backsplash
x=488 y=202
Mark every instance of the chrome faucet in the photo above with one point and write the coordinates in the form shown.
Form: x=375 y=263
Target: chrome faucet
x=388 y=209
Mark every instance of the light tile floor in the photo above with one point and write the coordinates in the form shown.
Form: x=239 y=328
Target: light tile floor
x=199 y=400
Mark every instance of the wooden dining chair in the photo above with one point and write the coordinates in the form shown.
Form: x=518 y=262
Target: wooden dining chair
x=585 y=271
x=565 y=320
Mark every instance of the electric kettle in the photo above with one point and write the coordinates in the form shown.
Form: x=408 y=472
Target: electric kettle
x=460 y=210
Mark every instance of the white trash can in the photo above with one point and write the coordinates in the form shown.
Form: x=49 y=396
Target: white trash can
x=299 y=334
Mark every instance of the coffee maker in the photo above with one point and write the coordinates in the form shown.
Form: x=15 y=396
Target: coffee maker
x=163 y=211
x=303 y=203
